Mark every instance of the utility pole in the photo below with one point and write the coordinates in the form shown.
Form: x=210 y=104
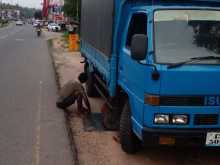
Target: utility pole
x=77 y=10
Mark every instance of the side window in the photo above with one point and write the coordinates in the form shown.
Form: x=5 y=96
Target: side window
x=138 y=25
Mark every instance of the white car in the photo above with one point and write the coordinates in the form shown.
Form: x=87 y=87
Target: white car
x=53 y=27
x=19 y=23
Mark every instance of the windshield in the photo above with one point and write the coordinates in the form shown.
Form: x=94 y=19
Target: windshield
x=183 y=34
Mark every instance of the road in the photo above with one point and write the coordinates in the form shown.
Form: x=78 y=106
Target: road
x=32 y=129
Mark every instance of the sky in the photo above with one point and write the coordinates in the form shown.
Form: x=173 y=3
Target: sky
x=25 y=3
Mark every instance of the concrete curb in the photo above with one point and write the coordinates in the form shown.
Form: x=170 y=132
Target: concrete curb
x=68 y=120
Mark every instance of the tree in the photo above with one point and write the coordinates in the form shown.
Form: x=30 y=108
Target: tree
x=27 y=12
x=72 y=9
x=38 y=14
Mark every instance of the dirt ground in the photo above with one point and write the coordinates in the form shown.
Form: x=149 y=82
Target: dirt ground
x=98 y=147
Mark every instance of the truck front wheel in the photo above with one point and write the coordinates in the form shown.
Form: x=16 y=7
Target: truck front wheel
x=129 y=141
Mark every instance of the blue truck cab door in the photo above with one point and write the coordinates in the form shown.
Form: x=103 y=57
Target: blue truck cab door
x=132 y=75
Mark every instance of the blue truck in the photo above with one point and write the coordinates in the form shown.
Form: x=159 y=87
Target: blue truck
x=157 y=65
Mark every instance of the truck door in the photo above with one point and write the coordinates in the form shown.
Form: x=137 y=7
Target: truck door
x=132 y=75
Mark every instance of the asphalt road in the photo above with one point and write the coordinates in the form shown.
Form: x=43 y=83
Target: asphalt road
x=32 y=129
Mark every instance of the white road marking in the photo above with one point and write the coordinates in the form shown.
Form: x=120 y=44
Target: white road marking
x=19 y=39
x=11 y=33
x=15 y=31
x=36 y=160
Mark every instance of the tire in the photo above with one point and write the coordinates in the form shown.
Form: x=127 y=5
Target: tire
x=129 y=141
x=90 y=84
x=90 y=87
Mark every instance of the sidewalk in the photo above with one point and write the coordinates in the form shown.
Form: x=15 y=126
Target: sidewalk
x=93 y=147
x=98 y=147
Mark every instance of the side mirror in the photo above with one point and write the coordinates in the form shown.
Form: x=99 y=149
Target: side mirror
x=139 y=47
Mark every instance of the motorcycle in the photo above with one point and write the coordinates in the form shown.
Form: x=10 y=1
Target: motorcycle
x=38 y=32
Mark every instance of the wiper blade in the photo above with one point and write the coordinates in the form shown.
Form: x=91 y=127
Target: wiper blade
x=193 y=59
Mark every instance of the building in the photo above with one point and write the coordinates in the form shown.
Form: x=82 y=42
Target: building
x=10 y=14
x=52 y=10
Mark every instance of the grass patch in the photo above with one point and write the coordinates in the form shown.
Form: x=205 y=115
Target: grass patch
x=65 y=38
x=66 y=35
x=3 y=25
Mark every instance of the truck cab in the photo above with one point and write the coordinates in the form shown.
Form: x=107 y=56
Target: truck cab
x=166 y=61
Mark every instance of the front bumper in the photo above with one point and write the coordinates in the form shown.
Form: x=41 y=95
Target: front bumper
x=180 y=137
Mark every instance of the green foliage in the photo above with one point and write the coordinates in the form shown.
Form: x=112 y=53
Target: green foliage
x=38 y=14
x=66 y=35
x=27 y=12
x=72 y=9
x=3 y=23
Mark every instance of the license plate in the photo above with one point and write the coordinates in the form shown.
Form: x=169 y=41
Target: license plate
x=213 y=139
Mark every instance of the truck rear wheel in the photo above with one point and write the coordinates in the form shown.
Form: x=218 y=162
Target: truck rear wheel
x=129 y=141
x=90 y=84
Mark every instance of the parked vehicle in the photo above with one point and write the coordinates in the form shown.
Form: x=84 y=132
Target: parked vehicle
x=53 y=27
x=157 y=63
x=37 y=22
x=19 y=23
x=45 y=23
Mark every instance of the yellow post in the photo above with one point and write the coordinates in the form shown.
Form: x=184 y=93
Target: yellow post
x=73 y=42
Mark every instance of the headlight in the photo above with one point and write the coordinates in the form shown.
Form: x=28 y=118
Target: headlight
x=161 y=119
x=180 y=119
